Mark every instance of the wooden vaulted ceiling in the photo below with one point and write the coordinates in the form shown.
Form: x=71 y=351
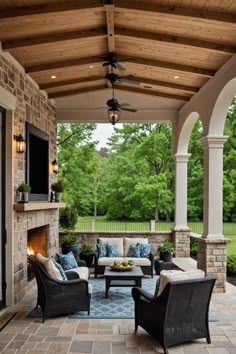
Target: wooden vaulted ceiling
x=172 y=47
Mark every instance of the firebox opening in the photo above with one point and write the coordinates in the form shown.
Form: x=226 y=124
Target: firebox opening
x=36 y=243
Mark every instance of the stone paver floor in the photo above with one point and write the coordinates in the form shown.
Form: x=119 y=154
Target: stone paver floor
x=63 y=335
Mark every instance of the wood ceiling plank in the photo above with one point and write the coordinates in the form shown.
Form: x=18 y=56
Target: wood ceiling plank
x=50 y=8
x=76 y=91
x=52 y=38
x=154 y=93
x=55 y=84
x=160 y=37
x=184 y=12
x=76 y=86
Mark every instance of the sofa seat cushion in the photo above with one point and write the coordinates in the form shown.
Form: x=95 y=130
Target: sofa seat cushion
x=83 y=272
x=139 y=261
x=132 y=241
x=113 y=241
x=105 y=261
x=167 y=276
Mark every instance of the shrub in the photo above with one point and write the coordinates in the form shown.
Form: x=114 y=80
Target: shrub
x=69 y=240
x=193 y=247
x=68 y=218
x=231 y=264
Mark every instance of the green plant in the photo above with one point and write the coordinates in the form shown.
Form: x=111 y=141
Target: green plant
x=193 y=247
x=231 y=264
x=69 y=240
x=166 y=246
x=57 y=187
x=87 y=248
x=68 y=218
x=24 y=187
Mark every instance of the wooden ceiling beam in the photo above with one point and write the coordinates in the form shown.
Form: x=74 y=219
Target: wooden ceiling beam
x=56 y=84
x=164 y=38
x=63 y=64
x=172 y=66
x=76 y=91
x=53 y=38
x=154 y=93
x=69 y=5
x=165 y=84
x=109 y=8
x=208 y=15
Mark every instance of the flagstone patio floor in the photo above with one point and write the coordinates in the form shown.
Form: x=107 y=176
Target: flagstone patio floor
x=63 y=335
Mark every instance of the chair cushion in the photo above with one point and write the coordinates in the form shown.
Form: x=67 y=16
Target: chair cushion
x=113 y=241
x=145 y=249
x=134 y=251
x=112 y=251
x=49 y=266
x=61 y=270
x=105 y=261
x=139 y=261
x=83 y=272
x=132 y=241
x=167 y=276
x=67 y=261
x=102 y=249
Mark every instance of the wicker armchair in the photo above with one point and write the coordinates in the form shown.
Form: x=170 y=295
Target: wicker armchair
x=57 y=297
x=178 y=314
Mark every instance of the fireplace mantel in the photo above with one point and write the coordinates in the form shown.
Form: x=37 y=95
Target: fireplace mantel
x=37 y=206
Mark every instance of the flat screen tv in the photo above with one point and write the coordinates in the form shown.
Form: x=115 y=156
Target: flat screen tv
x=37 y=163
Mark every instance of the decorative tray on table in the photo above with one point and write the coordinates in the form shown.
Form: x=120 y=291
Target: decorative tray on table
x=122 y=266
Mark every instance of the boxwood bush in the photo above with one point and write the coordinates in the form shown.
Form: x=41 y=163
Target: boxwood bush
x=231 y=264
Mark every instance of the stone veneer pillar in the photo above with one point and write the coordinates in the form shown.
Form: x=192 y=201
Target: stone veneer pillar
x=212 y=254
x=181 y=232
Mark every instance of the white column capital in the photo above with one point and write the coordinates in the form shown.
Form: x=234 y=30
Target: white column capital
x=212 y=141
x=181 y=157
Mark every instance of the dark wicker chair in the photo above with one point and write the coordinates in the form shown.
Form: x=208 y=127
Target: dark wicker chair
x=178 y=315
x=57 y=297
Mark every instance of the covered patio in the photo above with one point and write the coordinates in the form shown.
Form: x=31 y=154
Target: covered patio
x=181 y=58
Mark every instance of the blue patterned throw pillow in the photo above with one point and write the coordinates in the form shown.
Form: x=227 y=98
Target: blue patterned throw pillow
x=112 y=251
x=102 y=249
x=134 y=251
x=67 y=261
x=61 y=270
x=145 y=249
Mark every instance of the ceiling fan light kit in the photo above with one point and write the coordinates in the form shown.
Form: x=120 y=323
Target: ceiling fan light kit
x=114 y=115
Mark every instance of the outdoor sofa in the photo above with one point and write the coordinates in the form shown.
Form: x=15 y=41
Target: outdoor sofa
x=123 y=245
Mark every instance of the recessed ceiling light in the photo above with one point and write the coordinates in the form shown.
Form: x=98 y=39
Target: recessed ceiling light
x=53 y=77
x=176 y=77
x=91 y=66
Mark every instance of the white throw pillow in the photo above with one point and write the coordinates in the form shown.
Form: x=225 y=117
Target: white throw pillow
x=167 y=276
x=49 y=265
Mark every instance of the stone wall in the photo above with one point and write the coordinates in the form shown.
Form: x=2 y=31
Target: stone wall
x=33 y=106
x=155 y=238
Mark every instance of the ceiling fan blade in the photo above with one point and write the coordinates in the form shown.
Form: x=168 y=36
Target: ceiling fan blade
x=125 y=105
x=128 y=109
x=131 y=82
x=106 y=64
x=118 y=66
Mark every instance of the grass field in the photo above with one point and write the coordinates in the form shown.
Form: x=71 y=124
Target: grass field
x=102 y=224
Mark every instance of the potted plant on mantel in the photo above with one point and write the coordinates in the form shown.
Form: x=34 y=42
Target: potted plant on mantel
x=23 y=193
x=58 y=189
x=86 y=253
x=166 y=251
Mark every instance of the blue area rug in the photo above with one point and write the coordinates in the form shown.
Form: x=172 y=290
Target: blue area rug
x=119 y=303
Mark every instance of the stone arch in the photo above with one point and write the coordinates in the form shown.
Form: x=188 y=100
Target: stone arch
x=185 y=133
x=219 y=112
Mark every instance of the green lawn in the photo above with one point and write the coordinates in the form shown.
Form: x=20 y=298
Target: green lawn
x=102 y=224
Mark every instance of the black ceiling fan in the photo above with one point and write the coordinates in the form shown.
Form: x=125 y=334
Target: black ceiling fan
x=112 y=59
x=117 y=79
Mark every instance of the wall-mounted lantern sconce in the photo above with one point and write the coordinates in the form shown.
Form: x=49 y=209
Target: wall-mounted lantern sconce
x=20 y=143
x=54 y=166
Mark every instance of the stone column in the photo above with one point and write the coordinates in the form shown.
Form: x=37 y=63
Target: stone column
x=181 y=231
x=212 y=255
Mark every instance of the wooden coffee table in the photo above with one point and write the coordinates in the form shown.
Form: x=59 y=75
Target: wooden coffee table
x=115 y=278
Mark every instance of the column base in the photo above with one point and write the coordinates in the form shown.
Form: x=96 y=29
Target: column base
x=181 y=239
x=212 y=259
